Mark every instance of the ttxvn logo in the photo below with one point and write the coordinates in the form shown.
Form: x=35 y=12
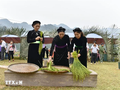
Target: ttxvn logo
x=13 y=82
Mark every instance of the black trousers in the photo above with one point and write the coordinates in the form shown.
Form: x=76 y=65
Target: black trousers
x=93 y=57
x=43 y=50
x=2 y=53
x=10 y=55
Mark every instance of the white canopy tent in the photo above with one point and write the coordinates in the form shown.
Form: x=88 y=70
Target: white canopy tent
x=92 y=35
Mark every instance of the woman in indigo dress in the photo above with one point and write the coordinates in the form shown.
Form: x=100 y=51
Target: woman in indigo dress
x=35 y=38
x=60 y=43
x=80 y=45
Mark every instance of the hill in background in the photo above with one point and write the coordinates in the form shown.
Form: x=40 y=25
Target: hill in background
x=45 y=27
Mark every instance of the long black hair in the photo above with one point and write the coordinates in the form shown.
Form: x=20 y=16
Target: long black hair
x=13 y=45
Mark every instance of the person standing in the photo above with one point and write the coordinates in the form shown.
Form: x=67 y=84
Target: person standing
x=102 y=51
x=60 y=44
x=46 y=50
x=87 y=46
x=94 y=52
x=88 y=54
x=11 y=50
x=3 y=48
x=35 y=38
x=80 y=45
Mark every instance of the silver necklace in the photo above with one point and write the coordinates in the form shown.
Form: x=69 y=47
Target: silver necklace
x=36 y=33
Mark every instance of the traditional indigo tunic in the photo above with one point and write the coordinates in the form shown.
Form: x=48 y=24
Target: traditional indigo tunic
x=61 y=50
x=80 y=44
x=33 y=54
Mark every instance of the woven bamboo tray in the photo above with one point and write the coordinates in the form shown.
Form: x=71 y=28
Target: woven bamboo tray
x=23 y=68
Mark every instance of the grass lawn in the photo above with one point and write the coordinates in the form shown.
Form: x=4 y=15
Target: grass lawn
x=108 y=78
x=6 y=62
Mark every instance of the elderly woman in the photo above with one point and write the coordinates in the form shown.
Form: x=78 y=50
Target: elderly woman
x=35 y=38
x=60 y=44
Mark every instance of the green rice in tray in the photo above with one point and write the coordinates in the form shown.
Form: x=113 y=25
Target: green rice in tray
x=52 y=68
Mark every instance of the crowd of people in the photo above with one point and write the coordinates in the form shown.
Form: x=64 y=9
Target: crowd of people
x=8 y=50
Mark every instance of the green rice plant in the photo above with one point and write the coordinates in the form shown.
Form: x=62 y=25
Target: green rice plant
x=78 y=70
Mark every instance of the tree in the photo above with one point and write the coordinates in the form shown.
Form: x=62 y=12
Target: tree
x=113 y=31
x=3 y=30
x=52 y=33
x=118 y=46
x=16 y=31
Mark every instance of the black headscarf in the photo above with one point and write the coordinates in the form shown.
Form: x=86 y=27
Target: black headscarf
x=77 y=30
x=61 y=29
x=36 y=22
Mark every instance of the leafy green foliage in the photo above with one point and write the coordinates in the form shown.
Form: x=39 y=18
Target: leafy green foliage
x=16 y=31
x=118 y=47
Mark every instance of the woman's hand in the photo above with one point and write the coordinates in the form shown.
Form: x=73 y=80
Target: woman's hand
x=37 y=38
x=68 y=55
x=79 y=55
x=41 y=39
x=50 y=59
